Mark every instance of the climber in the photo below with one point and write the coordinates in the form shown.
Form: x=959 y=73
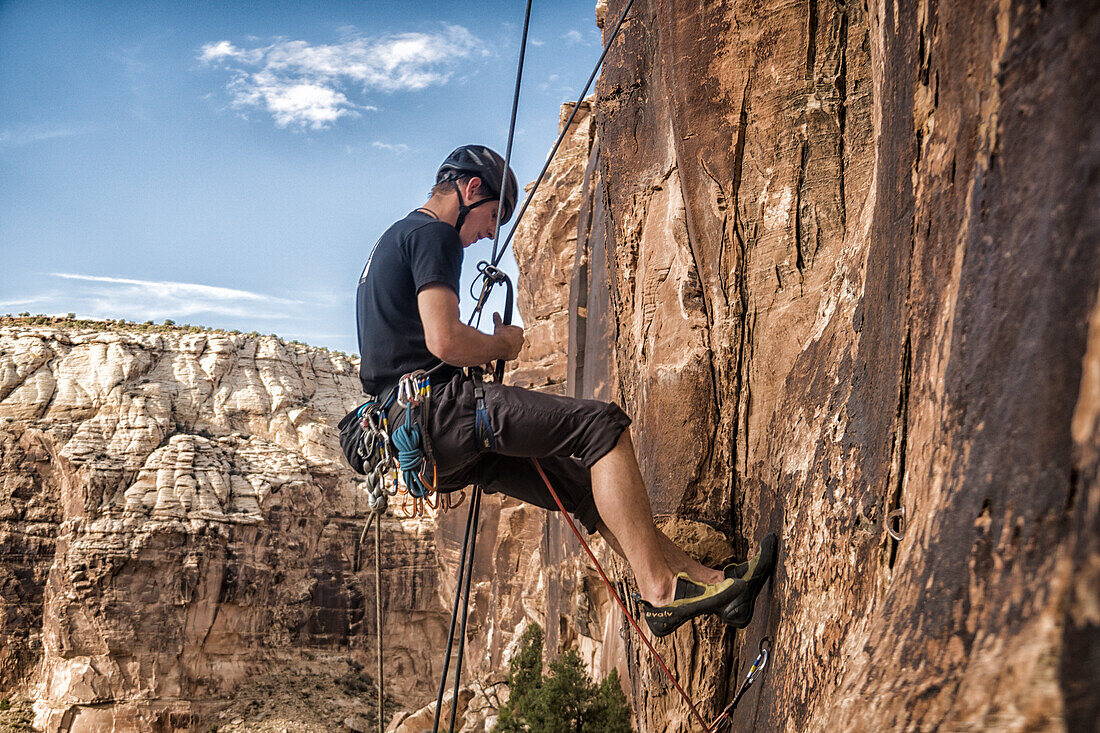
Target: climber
x=407 y=309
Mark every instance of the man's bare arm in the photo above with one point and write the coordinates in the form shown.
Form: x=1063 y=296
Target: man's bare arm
x=452 y=340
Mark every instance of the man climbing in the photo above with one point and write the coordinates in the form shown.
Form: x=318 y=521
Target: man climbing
x=407 y=308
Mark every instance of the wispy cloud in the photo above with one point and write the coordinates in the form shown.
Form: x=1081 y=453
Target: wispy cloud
x=398 y=148
x=311 y=86
x=573 y=37
x=11 y=138
x=140 y=300
x=556 y=86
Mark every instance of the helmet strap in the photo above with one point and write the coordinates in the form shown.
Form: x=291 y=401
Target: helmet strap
x=464 y=208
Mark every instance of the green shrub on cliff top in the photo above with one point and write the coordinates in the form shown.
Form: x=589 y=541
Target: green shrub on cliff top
x=565 y=701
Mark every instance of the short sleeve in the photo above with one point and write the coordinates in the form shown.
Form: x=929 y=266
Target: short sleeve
x=434 y=254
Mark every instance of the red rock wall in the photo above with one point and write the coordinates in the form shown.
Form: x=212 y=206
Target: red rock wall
x=839 y=259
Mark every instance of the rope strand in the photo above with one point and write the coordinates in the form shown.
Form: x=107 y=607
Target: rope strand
x=378 y=615
x=615 y=595
x=561 y=136
x=512 y=124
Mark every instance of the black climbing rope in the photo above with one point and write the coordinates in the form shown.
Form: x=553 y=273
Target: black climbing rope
x=469 y=543
x=490 y=276
x=489 y=272
x=561 y=136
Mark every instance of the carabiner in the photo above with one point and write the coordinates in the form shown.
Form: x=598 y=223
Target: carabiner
x=899 y=533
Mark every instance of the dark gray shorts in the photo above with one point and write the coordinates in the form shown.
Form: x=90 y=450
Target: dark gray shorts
x=567 y=436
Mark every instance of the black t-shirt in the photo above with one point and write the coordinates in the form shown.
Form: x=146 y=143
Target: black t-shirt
x=414 y=252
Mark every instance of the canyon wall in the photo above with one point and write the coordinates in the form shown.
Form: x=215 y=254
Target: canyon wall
x=837 y=260
x=840 y=263
x=180 y=534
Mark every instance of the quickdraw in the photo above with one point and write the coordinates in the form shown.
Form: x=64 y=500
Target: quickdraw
x=725 y=717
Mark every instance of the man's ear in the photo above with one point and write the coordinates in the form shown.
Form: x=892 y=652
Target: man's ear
x=473 y=188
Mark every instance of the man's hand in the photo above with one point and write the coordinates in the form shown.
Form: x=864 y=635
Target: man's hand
x=511 y=337
x=453 y=341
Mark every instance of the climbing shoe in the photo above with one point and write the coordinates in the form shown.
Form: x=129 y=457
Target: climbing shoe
x=690 y=600
x=754 y=573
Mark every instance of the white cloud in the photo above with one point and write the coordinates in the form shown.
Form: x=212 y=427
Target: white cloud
x=398 y=148
x=573 y=37
x=140 y=300
x=310 y=86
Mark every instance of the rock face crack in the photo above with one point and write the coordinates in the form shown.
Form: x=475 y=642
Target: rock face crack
x=811 y=38
x=895 y=498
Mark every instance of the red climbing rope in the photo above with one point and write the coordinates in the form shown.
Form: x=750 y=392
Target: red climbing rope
x=626 y=613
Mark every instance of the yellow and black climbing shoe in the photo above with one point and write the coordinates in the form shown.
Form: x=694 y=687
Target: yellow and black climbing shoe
x=754 y=572
x=690 y=600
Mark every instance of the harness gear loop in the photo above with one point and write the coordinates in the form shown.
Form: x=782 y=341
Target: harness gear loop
x=451 y=503
x=375 y=452
x=411 y=438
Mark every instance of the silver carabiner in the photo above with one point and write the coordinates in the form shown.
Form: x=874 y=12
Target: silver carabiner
x=759 y=663
x=408 y=388
x=899 y=533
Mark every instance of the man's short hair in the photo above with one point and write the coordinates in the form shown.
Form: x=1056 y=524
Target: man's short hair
x=445 y=187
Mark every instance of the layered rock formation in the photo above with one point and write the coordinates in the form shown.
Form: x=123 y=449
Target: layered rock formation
x=177 y=523
x=839 y=261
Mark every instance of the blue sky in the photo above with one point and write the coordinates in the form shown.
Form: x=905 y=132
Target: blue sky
x=231 y=164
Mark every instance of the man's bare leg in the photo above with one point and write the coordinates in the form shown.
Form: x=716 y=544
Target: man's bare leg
x=678 y=561
x=623 y=504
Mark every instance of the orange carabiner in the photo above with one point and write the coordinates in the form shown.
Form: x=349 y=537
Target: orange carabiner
x=449 y=505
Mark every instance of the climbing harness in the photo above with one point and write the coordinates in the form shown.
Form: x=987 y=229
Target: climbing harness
x=405 y=451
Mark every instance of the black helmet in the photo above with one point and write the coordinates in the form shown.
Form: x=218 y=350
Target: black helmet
x=486 y=164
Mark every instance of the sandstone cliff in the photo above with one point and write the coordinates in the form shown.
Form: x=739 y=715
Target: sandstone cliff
x=840 y=261
x=182 y=543
x=179 y=533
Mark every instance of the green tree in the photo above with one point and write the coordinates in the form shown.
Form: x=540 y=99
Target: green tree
x=565 y=700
